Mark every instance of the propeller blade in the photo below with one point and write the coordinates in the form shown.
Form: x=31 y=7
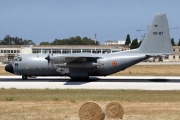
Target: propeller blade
x=47 y=58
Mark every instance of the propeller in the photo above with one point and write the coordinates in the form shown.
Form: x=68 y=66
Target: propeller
x=48 y=58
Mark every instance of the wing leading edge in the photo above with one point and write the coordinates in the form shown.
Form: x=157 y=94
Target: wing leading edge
x=76 y=57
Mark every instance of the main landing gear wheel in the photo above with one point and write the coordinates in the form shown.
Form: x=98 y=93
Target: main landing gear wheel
x=85 y=78
x=73 y=78
x=24 y=77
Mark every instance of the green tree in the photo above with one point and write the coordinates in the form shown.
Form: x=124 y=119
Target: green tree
x=139 y=43
x=179 y=43
x=134 y=44
x=28 y=42
x=128 y=40
x=172 y=42
x=8 y=40
x=44 y=43
x=74 y=41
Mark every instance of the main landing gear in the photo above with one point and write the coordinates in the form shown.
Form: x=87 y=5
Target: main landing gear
x=24 y=77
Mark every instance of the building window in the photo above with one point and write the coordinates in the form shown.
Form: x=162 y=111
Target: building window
x=46 y=50
x=86 y=50
x=36 y=51
x=56 y=51
x=18 y=51
x=66 y=51
x=1 y=51
x=106 y=51
x=11 y=51
x=173 y=57
x=166 y=57
x=173 y=49
x=96 y=51
x=76 y=50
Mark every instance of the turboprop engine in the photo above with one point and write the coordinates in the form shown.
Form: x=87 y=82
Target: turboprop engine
x=56 y=60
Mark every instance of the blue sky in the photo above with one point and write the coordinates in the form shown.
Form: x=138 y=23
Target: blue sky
x=46 y=20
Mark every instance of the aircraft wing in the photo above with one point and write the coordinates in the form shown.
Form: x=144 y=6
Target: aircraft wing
x=80 y=58
x=76 y=57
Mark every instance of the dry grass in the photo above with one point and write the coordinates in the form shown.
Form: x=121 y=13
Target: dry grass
x=88 y=95
x=41 y=105
x=64 y=110
x=3 y=72
x=151 y=70
x=64 y=104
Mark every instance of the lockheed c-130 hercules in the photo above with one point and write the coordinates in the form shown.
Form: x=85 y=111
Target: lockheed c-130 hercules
x=82 y=65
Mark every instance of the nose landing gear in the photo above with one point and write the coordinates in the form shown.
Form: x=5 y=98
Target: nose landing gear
x=24 y=77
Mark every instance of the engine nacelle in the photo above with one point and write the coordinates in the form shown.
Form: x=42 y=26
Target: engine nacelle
x=57 y=59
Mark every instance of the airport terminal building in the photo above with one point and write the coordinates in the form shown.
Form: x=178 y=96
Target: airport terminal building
x=9 y=52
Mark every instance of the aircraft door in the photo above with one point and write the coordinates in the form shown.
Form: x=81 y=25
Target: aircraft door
x=30 y=70
x=102 y=67
x=16 y=67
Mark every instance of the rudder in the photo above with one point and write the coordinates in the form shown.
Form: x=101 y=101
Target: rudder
x=157 y=40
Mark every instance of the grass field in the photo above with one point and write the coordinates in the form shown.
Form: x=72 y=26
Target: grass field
x=3 y=72
x=64 y=104
x=151 y=70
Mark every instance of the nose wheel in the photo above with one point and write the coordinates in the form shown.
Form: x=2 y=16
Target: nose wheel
x=24 y=77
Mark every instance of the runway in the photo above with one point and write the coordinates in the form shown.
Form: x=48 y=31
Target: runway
x=109 y=82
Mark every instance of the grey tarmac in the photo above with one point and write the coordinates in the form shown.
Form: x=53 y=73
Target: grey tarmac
x=109 y=82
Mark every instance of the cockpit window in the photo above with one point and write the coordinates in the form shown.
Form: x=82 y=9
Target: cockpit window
x=18 y=59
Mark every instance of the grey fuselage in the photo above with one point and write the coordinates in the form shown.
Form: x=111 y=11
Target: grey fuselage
x=105 y=64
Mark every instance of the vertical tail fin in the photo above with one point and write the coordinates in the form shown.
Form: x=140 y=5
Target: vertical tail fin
x=157 y=40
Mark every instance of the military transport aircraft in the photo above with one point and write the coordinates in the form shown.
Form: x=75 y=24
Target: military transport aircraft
x=82 y=65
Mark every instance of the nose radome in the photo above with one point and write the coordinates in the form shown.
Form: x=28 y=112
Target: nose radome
x=9 y=68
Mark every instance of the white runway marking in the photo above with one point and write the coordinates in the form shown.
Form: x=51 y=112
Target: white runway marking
x=110 y=82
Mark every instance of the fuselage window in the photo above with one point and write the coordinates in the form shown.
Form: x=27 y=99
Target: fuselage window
x=19 y=58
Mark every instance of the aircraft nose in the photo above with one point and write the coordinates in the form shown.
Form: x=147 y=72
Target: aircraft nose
x=9 y=68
